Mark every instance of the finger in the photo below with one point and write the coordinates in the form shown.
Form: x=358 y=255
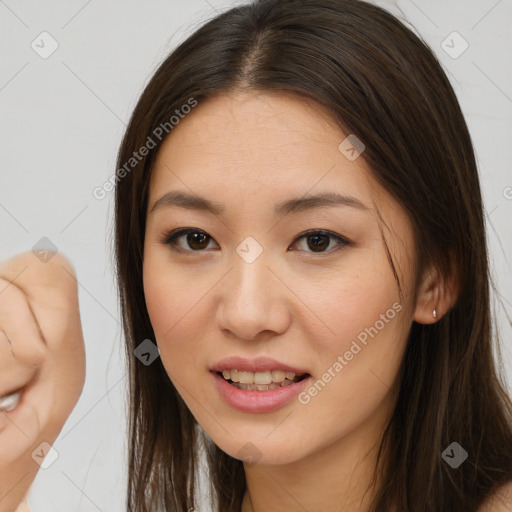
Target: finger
x=22 y=345
x=22 y=354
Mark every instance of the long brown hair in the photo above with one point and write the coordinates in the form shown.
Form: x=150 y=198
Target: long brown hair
x=383 y=84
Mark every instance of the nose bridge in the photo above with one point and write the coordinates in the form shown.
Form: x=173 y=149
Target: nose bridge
x=250 y=290
x=251 y=302
x=250 y=273
x=251 y=280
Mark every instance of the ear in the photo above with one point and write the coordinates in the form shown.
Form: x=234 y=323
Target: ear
x=434 y=293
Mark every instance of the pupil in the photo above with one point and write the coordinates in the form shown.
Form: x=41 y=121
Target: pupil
x=318 y=244
x=192 y=238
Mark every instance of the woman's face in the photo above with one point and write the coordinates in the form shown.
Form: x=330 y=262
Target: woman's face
x=257 y=281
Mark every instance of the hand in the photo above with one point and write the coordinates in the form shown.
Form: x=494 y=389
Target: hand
x=42 y=364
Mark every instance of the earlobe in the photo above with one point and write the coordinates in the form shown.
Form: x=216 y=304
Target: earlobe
x=434 y=298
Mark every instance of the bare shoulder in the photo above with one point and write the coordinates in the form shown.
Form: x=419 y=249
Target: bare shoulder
x=500 y=501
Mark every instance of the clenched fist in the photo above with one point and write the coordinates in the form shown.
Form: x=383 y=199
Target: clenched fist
x=42 y=365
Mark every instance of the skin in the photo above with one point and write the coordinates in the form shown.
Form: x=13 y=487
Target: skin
x=250 y=151
x=41 y=352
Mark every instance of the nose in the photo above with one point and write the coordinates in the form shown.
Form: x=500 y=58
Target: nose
x=254 y=301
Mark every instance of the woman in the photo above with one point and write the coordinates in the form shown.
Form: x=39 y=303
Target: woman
x=299 y=229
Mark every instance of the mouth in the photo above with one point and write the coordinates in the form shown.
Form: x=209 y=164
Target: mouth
x=260 y=381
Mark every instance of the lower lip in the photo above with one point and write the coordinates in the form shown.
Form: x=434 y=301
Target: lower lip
x=258 y=401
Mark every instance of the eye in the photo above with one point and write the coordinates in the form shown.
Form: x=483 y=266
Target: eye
x=197 y=240
x=319 y=240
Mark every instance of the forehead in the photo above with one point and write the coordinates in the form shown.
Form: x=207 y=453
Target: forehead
x=258 y=142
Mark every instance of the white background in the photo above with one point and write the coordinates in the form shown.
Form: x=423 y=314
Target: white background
x=61 y=122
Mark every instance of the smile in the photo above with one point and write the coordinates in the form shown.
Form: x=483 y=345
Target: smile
x=260 y=381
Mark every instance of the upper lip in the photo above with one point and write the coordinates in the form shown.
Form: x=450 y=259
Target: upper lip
x=259 y=364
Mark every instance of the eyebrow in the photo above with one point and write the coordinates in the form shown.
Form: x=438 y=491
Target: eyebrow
x=195 y=202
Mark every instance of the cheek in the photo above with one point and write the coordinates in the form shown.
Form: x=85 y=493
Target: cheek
x=174 y=304
x=348 y=302
x=166 y=291
x=360 y=344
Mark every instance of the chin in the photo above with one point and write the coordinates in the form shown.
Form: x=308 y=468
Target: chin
x=255 y=449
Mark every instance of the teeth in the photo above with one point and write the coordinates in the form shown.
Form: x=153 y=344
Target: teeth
x=259 y=378
x=278 y=375
x=261 y=387
x=9 y=402
x=261 y=381
x=246 y=377
x=263 y=378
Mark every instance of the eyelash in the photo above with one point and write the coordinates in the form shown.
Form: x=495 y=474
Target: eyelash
x=171 y=238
